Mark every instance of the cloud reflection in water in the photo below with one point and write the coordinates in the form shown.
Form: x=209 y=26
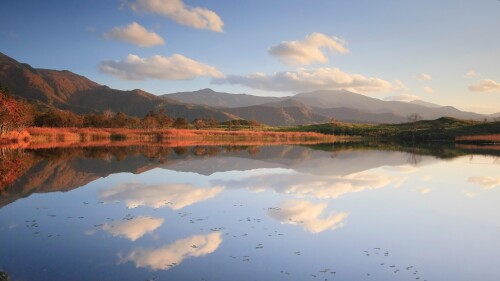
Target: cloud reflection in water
x=174 y=254
x=310 y=216
x=133 y=229
x=175 y=196
x=323 y=187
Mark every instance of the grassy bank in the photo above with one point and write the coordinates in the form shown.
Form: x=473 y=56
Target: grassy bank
x=443 y=129
x=54 y=137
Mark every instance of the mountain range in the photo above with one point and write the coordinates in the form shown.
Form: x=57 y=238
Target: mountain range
x=69 y=91
x=68 y=169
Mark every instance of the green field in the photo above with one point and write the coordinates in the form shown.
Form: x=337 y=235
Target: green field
x=442 y=129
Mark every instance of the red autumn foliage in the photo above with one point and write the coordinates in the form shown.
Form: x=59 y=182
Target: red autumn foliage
x=14 y=114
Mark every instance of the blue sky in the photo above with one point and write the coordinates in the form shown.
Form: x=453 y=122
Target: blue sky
x=444 y=51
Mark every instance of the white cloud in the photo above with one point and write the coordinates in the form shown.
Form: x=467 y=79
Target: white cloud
x=175 y=196
x=325 y=187
x=309 y=50
x=486 y=85
x=423 y=190
x=197 y=17
x=175 y=67
x=428 y=90
x=471 y=74
x=424 y=77
x=304 y=80
x=136 y=34
x=174 y=254
x=308 y=215
x=399 y=85
x=403 y=98
x=485 y=182
x=469 y=194
x=133 y=229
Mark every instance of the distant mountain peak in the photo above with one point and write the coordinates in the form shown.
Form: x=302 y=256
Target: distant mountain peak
x=206 y=90
x=425 y=103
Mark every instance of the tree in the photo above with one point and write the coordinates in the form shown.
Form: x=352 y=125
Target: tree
x=413 y=120
x=149 y=122
x=199 y=123
x=333 y=124
x=58 y=118
x=253 y=123
x=180 y=123
x=14 y=114
x=164 y=121
x=212 y=122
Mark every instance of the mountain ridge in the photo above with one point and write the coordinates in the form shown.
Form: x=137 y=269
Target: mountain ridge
x=69 y=91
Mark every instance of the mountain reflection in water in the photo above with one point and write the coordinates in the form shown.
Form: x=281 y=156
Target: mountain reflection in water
x=281 y=212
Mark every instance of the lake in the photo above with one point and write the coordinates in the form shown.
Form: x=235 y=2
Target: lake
x=281 y=212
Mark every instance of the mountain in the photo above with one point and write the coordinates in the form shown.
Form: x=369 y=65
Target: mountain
x=212 y=98
x=336 y=99
x=288 y=112
x=351 y=115
x=70 y=91
x=47 y=86
x=426 y=104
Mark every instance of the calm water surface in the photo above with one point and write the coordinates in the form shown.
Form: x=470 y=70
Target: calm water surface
x=251 y=213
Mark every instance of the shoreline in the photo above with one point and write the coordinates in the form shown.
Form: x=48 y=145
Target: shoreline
x=37 y=137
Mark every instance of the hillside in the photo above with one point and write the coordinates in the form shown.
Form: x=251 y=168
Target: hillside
x=70 y=91
x=212 y=98
x=288 y=112
x=342 y=105
x=336 y=99
x=441 y=129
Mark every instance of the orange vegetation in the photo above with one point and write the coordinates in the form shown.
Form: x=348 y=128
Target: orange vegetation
x=486 y=138
x=81 y=137
x=15 y=137
x=481 y=147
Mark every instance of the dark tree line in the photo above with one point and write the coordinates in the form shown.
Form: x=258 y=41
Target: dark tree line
x=108 y=119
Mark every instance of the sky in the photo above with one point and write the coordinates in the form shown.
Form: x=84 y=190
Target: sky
x=446 y=52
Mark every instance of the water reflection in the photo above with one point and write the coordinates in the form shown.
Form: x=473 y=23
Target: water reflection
x=324 y=187
x=485 y=182
x=174 y=254
x=310 y=216
x=283 y=212
x=133 y=228
x=175 y=196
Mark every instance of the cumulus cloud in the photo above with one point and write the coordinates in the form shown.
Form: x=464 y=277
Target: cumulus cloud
x=175 y=67
x=136 y=34
x=428 y=90
x=471 y=74
x=399 y=85
x=403 y=98
x=485 y=182
x=322 y=187
x=304 y=80
x=197 y=17
x=175 y=196
x=424 y=77
x=133 y=229
x=174 y=254
x=311 y=49
x=308 y=215
x=486 y=85
x=423 y=190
